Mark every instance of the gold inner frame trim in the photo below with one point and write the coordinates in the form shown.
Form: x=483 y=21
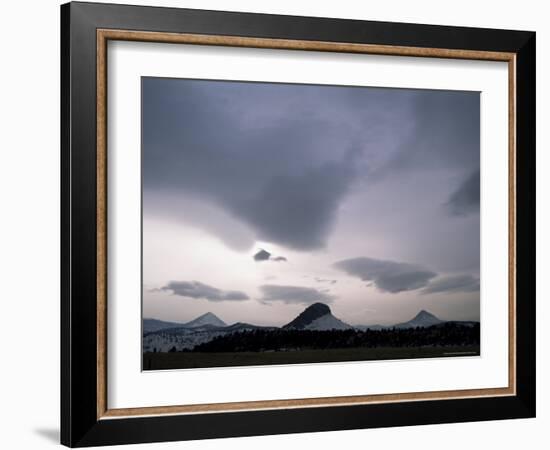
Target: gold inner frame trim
x=103 y=36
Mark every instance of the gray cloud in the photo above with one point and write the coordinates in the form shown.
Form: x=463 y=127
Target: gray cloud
x=278 y=157
x=264 y=255
x=196 y=289
x=293 y=294
x=465 y=200
x=453 y=283
x=388 y=276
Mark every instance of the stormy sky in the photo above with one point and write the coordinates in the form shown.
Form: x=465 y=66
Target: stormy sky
x=262 y=198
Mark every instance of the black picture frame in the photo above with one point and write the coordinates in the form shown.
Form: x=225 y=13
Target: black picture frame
x=80 y=425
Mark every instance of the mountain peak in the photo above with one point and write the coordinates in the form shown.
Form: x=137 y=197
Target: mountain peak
x=316 y=316
x=423 y=313
x=320 y=309
x=308 y=315
x=422 y=319
x=208 y=315
x=206 y=319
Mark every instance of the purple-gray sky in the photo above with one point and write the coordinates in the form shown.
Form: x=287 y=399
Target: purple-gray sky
x=365 y=198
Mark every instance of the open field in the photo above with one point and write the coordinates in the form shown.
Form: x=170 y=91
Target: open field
x=190 y=360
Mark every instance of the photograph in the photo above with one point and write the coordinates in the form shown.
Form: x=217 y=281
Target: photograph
x=299 y=223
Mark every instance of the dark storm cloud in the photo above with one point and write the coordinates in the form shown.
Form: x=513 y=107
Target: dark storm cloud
x=293 y=294
x=465 y=200
x=388 y=276
x=298 y=210
x=453 y=283
x=280 y=158
x=198 y=290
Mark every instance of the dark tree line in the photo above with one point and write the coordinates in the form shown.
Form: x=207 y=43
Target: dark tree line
x=448 y=334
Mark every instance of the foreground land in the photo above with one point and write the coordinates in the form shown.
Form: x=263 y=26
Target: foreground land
x=190 y=360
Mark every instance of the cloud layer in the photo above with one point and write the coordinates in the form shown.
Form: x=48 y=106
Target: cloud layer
x=388 y=276
x=198 y=290
x=453 y=283
x=395 y=277
x=293 y=294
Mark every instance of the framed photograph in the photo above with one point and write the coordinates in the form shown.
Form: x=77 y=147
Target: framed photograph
x=276 y=224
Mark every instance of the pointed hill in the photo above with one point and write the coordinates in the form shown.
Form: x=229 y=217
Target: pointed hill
x=317 y=317
x=422 y=319
x=208 y=319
